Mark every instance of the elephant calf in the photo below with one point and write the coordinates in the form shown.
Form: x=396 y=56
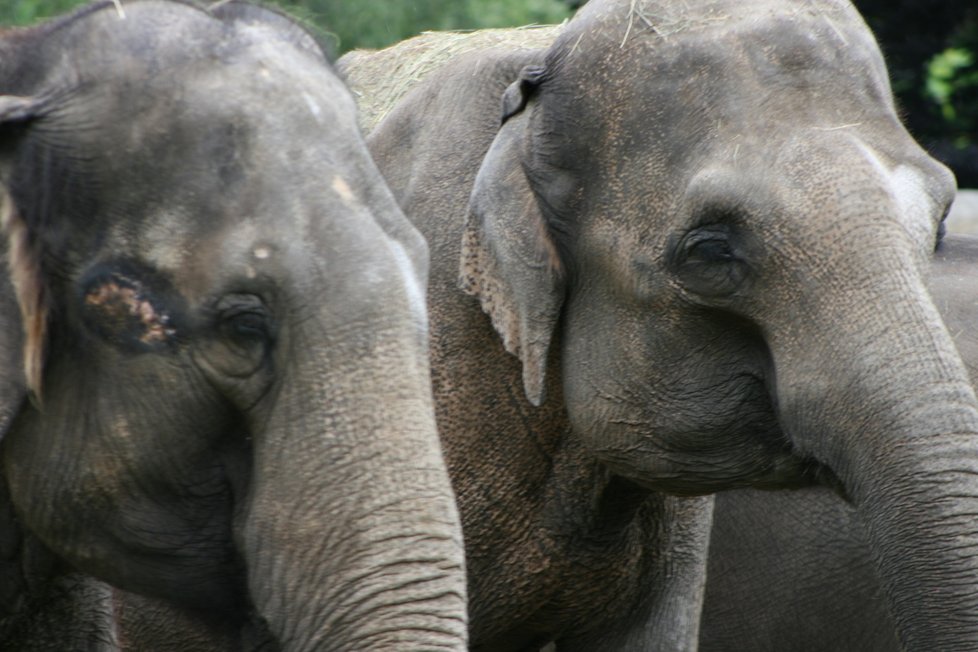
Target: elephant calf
x=215 y=388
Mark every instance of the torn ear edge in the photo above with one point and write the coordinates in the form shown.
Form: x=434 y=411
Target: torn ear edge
x=27 y=279
x=525 y=326
x=23 y=256
x=509 y=260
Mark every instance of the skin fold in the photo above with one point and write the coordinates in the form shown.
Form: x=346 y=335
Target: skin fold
x=680 y=251
x=793 y=570
x=215 y=391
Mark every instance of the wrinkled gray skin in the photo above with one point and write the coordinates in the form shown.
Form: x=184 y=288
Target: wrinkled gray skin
x=72 y=612
x=793 y=570
x=149 y=625
x=215 y=388
x=703 y=231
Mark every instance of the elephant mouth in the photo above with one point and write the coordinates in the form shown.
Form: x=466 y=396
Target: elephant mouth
x=699 y=475
x=801 y=472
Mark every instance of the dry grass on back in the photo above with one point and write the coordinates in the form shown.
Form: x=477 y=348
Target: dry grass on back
x=380 y=78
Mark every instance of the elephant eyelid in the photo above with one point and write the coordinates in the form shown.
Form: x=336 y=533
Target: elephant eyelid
x=710 y=262
x=717 y=249
x=248 y=323
x=713 y=243
x=244 y=315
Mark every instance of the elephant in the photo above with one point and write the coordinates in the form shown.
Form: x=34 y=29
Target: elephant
x=215 y=388
x=679 y=251
x=793 y=570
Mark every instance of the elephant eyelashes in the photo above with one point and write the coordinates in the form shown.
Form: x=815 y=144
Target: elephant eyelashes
x=249 y=326
x=708 y=251
x=244 y=319
x=707 y=262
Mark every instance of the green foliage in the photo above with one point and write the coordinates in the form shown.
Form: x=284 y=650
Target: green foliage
x=504 y=14
x=360 y=23
x=377 y=23
x=931 y=49
x=952 y=84
x=949 y=73
x=26 y=12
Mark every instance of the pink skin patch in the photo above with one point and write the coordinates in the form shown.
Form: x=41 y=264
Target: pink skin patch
x=125 y=306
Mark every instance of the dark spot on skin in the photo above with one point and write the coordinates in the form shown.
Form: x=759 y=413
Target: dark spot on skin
x=126 y=309
x=131 y=307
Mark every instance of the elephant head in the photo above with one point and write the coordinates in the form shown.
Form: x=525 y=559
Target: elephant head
x=713 y=211
x=216 y=388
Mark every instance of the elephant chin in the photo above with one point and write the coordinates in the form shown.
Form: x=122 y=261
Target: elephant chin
x=801 y=472
x=692 y=478
x=771 y=463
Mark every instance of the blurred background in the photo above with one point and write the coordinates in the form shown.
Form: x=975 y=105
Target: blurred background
x=931 y=48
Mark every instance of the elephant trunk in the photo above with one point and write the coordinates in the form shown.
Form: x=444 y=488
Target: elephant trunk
x=920 y=509
x=352 y=536
x=884 y=401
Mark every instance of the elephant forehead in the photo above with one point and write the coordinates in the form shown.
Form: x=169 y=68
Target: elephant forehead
x=664 y=19
x=175 y=243
x=199 y=177
x=171 y=62
x=721 y=57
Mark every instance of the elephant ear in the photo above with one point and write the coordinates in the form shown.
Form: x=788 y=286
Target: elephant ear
x=509 y=260
x=12 y=383
x=23 y=291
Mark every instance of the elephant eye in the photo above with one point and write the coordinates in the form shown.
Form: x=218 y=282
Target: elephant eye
x=248 y=325
x=239 y=340
x=244 y=318
x=707 y=262
x=708 y=250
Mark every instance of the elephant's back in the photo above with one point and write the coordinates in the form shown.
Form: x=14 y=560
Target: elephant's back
x=379 y=79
